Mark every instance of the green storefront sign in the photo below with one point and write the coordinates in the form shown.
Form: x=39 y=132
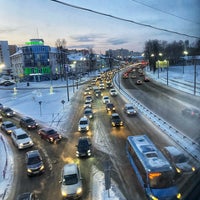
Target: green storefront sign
x=35 y=70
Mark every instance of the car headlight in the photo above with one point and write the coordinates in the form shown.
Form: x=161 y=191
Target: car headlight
x=178 y=170
x=64 y=194
x=31 y=142
x=178 y=196
x=153 y=197
x=51 y=139
x=9 y=131
x=193 y=169
x=87 y=128
x=42 y=167
x=79 y=191
x=20 y=144
x=29 y=170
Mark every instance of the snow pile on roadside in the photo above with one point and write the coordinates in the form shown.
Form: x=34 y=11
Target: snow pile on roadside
x=6 y=167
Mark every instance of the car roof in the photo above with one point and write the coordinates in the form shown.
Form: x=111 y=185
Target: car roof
x=19 y=131
x=25 y=118
x=128 y=104
x=83 y=119
x=7 y=122
x=70 y=168
x=115 y=114
x=33 y=153
x=47 y=129
x=173 y=150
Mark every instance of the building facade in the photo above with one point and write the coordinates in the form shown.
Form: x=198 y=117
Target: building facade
x=4 y=57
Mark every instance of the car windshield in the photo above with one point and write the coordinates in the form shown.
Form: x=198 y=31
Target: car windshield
x=115 y=117
x=29 y=121
x=70 y=179
x=34 y=160
x=23 y=136
x=9 y=125
x=130 y=108
x=51 y=132
x=160 y=179
x=83 y=143
x=180 y=158
x=7 y=110
x=82 y=122
x=88 y=111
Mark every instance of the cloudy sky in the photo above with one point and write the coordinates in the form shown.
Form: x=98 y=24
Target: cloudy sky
x=21 y=20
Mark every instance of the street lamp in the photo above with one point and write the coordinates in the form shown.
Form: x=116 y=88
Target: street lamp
x=185 y=53
x=160 y=54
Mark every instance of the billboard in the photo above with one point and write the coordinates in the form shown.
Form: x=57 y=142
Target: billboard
x=36 y=70
x=161 y=64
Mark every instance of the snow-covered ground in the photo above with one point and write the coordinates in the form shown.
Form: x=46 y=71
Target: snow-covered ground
x=51 y=111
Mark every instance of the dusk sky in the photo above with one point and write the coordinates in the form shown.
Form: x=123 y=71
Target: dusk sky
x=21 y=20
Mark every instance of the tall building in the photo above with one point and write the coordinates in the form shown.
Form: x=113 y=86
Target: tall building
x=5 y=64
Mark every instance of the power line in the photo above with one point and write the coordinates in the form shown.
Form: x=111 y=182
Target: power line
x=123 y=19
x=157 y=9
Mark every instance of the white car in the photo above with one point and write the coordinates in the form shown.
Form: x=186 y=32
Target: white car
x=106 y=99
x=21 y=139
x=129 y=109
x=83 y=124
x=71 y=182
x=87 y=104
x=101 y=86
x=113 y=92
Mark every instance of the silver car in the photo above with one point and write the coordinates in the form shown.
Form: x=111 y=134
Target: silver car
x=21 y=139
x=71 y=181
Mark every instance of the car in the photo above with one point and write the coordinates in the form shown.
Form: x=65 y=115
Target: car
x=27 y=196
x=34 y=163
x=98 y=93
x=87 y=91
x=129 y=109
x=106 y=99
x=110 y=107
x=109 y=85
x=113 y=92
x=178 y=160
x=146 y=79
x=71 y=182
x=50 y=135
x=191 y=112
x=138 y=82
x=28 y=123
x=116 y=120
x=88 y=113
x=8 y=127
x=83 y=124
x=84 y=147
x=7 y=82
x=7 y=112
x=101 y=86
x=87 y=105
x=21 y=139
x=88 y=98
x=133 y=76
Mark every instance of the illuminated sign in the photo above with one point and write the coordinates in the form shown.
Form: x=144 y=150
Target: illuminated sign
x=34 y=43
x=164 y=63
x=35 y=70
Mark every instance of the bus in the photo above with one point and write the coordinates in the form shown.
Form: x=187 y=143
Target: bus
x=154 y=172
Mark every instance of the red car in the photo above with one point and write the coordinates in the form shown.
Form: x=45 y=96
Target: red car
x=50 y=135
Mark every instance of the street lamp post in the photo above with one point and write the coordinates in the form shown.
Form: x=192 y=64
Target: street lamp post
x=160 y=54
x=185 y=54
